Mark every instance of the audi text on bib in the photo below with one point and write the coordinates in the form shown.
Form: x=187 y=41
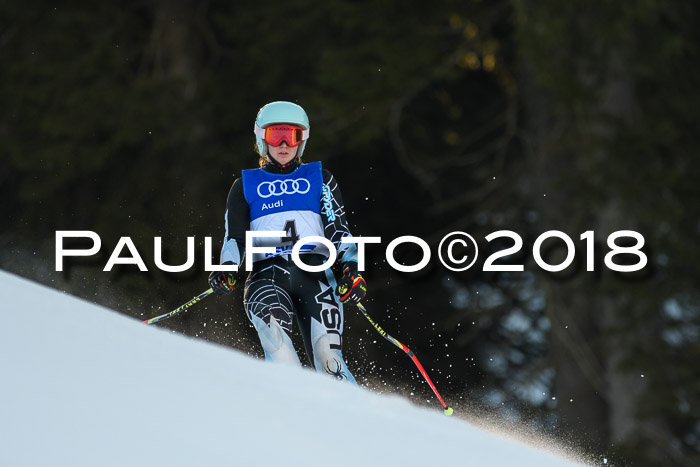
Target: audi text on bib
x=288 y=202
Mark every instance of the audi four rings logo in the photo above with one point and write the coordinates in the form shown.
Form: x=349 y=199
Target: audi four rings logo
x=284 y=187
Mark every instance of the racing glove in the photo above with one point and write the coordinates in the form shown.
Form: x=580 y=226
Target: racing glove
x=351 y=287
x=223 y=282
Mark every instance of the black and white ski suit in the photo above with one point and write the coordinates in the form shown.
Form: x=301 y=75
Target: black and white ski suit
x=304 y=202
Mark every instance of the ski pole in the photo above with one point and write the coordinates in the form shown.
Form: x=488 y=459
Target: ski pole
x=179 y=309
x=447 y=410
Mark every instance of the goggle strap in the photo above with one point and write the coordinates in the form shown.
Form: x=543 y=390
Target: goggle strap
x=259 y=132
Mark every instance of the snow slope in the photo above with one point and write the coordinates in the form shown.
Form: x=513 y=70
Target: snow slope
x=82 y=385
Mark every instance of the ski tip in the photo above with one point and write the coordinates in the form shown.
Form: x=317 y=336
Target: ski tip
x=449 y=411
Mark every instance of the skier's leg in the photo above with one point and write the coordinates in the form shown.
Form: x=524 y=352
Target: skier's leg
x=320 y=317
x=270 y=309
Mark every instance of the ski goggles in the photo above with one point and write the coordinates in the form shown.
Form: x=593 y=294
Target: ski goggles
x=275 y=134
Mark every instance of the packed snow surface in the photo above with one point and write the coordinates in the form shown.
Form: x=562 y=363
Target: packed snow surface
x=82 y=385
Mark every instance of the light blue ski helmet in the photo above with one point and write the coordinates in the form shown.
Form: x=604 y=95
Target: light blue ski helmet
x=280 y=112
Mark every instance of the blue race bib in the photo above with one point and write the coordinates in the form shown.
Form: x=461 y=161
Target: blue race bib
x=268 y=193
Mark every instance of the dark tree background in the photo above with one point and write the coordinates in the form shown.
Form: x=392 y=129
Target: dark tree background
x=523 y=115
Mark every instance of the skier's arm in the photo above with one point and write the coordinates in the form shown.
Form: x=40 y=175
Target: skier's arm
x=351 y=286
x=237 y=219
x=335 y=224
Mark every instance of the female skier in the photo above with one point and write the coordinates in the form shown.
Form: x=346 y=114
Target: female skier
x=301 y=199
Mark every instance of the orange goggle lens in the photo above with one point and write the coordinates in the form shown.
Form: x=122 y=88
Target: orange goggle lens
x=275 y=134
